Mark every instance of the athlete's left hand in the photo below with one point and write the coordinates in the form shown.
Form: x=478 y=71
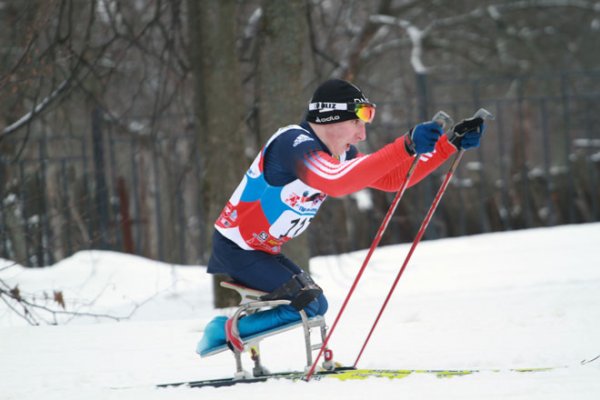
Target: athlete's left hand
x=467 y=133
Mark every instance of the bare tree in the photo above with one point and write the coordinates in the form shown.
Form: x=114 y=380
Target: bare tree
x=125 y=63
x=219 y=106
x=280 y=89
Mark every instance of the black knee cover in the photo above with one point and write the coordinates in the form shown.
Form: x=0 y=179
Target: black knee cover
x=300 y=290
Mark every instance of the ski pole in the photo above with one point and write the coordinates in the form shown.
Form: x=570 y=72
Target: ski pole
x=481 y=113
x=442 y=118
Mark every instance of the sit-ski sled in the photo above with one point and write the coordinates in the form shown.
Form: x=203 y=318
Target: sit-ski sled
x=251 y=302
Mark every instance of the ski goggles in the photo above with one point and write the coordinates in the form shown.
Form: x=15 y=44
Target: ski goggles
x=364 y=111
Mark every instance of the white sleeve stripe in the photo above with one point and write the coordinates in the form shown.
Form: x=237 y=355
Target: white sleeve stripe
x=331 y=165
x=323 y=163
x=330 y=171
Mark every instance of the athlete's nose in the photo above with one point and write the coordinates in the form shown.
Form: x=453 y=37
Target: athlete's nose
x=362 y=132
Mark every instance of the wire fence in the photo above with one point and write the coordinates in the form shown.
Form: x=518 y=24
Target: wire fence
x=539 y=165
x=106 y=190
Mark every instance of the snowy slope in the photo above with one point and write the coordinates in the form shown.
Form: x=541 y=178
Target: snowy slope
x=498 y=301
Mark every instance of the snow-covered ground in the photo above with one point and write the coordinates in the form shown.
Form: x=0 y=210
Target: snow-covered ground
x=524 y=299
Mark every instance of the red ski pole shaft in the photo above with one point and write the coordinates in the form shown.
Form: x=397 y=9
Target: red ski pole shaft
x=442 y=118
x=481 y=113
x=416 y=241
x=374 y=244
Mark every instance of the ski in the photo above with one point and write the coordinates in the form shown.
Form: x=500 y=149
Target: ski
x=289 y=375
x=347 y=374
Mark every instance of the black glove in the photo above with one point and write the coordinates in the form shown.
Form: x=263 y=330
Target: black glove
x=467 y=133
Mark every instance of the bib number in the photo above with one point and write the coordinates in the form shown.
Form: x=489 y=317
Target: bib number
x=290 y=225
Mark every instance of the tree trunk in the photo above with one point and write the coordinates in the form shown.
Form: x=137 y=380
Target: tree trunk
x=280 y=91
x=219 y=109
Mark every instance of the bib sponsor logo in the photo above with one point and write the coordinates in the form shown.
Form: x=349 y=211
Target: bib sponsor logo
x=262 y=237
x=305 y=202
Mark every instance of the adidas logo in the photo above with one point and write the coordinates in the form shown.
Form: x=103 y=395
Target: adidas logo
x=301 y=139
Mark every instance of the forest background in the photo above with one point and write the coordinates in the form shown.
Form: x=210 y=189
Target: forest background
x=125 y=125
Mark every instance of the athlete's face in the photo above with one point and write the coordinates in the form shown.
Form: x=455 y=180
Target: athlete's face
x=346 y=133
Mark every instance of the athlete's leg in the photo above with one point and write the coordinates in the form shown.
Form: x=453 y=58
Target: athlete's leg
x=265 y=272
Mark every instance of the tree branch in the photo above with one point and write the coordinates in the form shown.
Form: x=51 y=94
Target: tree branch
x=37 y=109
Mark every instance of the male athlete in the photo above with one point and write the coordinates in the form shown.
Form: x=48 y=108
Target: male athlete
x=280 y=194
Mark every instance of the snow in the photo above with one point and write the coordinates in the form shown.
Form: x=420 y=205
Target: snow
x=522 y=299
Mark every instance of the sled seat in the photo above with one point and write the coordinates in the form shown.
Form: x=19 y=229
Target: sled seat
x=247 y=294
x=250 y=303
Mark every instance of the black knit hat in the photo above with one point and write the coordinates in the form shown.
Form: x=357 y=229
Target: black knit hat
x=334 y=91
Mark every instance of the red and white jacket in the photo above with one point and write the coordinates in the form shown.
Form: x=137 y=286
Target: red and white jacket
x=293 y=174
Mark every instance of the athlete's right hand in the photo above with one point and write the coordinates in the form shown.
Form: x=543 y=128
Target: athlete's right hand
x=423 y=137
